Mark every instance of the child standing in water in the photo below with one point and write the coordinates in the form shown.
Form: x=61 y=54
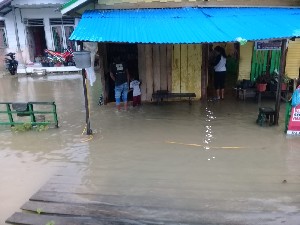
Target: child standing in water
x=135 y=85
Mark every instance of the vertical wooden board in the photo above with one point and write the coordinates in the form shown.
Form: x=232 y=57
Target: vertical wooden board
x=163 y=67
x=229 y=48
x=169 y=66
x=184 y=80
x=245 y=61
x=204 y=70
x=190 y=69
x=176 y=68
x=156 y=67
x=198 y=65
x=194 y=69
x=149 y=71
x=142 y=70
x=293 y=59
x=105 y=62
x=104 y=89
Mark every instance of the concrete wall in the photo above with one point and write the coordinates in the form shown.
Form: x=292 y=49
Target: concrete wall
x=45 y=13
x=37 y=2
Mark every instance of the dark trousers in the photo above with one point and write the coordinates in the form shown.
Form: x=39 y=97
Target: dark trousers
x=136 y=100
x=219 y=80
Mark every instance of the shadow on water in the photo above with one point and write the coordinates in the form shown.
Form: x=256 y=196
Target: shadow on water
x=209 y=158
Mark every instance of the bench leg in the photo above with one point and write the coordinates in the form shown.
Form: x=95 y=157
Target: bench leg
x=272 y=119
x=261 y=119
x=244 y=94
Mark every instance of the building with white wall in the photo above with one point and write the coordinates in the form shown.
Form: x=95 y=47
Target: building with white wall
x=34 y=25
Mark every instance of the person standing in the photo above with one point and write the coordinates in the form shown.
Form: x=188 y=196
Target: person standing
x=119 y=74
x=135 y=85
x=220 y=72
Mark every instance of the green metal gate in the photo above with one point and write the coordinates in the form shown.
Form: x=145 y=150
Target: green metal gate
x=13 y=109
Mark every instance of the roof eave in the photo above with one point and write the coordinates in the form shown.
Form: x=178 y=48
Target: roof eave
x=71 y=6
x=5 y=7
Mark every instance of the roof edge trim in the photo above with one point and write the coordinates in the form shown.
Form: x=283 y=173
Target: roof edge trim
x=67 y=7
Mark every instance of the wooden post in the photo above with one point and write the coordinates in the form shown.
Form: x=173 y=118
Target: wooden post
x=101 y=50
x=156 y=67
x=149 y=71
x=281 y=72
x=169 y=66
x=142 y=70
x=204 y=71
x=163 y=67
x=87 y=112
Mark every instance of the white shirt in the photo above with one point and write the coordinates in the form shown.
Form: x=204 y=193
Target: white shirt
x=221 y=66
x=135 y=84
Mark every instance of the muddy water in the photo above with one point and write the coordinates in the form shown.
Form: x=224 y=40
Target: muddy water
x=210 y=158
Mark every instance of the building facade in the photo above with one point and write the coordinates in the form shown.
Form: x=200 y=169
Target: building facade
x=31 y=26
x=178 y=67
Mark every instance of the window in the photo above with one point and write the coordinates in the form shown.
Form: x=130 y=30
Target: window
x=62 y=29
x=3 y=39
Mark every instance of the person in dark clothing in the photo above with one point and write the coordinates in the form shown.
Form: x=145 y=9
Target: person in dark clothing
x=119 y=73
x=220 y=72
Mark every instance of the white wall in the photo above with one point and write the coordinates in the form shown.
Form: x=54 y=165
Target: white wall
x=36 y=13
x=37 y=2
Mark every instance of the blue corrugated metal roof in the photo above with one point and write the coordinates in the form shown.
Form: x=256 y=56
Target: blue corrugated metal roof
x=187 y=25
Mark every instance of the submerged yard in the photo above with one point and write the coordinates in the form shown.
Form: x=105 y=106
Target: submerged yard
x=173 y=163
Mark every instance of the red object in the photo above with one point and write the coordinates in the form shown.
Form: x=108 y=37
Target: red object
x=283 y=86
x=261 y=87
x=136 y=100
x=66 y=56
x=294 y=123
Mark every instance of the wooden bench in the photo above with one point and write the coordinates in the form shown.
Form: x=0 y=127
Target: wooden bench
x=242 y=93
x=161 y=95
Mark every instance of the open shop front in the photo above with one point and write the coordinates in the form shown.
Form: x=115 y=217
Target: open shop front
x=154 y=33
x=265 y=65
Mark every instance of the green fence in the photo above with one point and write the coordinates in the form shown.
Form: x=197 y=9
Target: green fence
x=16 y=109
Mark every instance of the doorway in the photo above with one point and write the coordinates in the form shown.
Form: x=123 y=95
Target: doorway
x=36 y=41
x=232 y=51
x=129 y=54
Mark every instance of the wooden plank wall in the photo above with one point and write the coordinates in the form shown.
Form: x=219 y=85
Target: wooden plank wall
x=245 y=61
x=155 y=68
x=186 y=70
x=293 y=59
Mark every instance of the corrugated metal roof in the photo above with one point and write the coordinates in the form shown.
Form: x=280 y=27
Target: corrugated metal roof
x=187 y=25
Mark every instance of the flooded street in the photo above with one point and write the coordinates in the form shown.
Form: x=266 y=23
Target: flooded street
x=210 y=163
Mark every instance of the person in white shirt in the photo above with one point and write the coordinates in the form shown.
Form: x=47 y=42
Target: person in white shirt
x=135 y=85
x=220 y=72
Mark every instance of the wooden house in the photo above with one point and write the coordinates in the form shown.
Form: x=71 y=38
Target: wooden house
x=163 y=63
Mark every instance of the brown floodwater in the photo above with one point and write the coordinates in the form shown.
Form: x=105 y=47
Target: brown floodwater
x=206 y=157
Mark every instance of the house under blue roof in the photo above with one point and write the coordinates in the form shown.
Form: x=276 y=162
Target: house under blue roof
x=187 y=25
